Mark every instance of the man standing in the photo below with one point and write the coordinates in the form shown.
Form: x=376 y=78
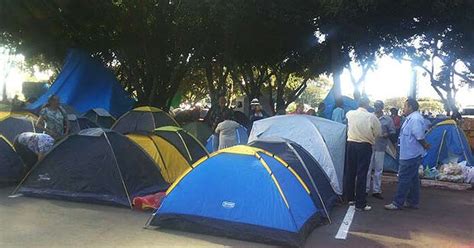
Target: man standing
x=321 y=109
x=397 y=121
x=363 y=128
x=216 y=113
x=378 y=154
x=338 y=113
x=412 y=148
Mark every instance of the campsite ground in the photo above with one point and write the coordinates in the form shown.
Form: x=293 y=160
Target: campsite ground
x=444 y=220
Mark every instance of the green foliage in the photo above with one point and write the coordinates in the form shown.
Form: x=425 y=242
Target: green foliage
x=426 y=104
x=157 y=47
x=316 y=91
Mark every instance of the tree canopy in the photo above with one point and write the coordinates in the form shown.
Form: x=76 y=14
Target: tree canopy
x=158 y=48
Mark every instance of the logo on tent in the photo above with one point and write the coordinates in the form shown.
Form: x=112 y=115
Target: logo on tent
x=43 y=177
x=228 y=204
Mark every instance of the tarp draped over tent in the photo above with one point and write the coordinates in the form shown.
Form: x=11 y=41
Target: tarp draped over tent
x=330 y=102
x=84 y=83
x=325 y=140
x=447 y=142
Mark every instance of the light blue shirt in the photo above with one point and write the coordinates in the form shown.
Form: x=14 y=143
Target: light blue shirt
x=338 y=115
x=413 y=129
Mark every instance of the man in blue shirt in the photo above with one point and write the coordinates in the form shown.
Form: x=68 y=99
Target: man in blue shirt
x=412 y=148
x=338 y=114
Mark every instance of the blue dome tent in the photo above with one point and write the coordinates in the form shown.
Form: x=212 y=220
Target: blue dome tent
x=447 y=142
x=242 y=192
x=84 y=83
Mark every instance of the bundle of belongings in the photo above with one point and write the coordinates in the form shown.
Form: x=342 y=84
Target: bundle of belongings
x=451 y=172
x=148 y=202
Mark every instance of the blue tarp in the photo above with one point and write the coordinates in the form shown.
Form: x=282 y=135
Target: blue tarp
x=84 y=83
x=330 y=102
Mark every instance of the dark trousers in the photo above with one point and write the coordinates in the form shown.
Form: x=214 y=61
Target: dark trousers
x=358 y=161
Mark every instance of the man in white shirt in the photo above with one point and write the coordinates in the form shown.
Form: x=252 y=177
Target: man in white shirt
x=363 y=128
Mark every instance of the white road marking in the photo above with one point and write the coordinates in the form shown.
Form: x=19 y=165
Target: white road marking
x=346 y=223
x=15 y=196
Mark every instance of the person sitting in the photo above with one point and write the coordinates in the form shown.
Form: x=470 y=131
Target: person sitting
x=227 y=131
x=53 y=119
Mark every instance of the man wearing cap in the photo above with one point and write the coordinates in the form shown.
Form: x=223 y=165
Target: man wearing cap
x=378 y=153
x=256 y=111
x=362 y=130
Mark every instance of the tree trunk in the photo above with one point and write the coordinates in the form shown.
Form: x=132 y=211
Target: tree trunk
x=336 y=68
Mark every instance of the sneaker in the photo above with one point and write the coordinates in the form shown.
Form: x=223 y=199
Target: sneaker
x=392 y=206
x=366 y=208
x=378 y=196
x=406 y=205
x=351 y=203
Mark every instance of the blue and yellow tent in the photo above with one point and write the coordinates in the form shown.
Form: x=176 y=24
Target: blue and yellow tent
x=143 y=119
x=241 y=192
x=306 y=166
x=447 y=141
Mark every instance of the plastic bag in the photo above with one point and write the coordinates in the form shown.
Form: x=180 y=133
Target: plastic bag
x=431 y=173
x=451 y=169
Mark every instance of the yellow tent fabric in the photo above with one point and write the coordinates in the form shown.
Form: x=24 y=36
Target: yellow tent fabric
x=170 y=161
x=6 y=114
x=147 y=109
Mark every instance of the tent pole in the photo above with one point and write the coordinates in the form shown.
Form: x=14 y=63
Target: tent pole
x=311 y=179
x=118 y=168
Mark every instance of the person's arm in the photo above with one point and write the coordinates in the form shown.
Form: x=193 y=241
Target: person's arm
x=218 y=128
x=391 y=126
x=418 y=130
x=40 y=122
x=376 y=126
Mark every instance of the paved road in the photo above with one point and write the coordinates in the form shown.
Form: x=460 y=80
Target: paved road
x=446 y=219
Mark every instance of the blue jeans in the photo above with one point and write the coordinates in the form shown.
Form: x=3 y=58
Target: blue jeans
x=408 y=183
